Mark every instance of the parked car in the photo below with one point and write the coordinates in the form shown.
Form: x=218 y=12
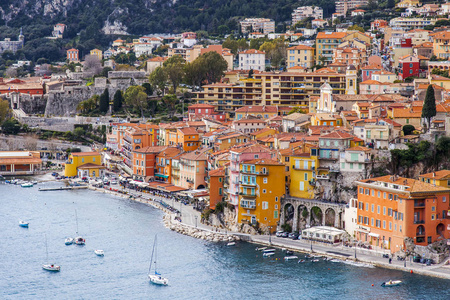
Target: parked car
x=285 y=234
x=279 y=233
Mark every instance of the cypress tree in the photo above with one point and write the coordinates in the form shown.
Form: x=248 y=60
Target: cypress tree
x=104 y=101
x=118 y=100
x=429 y=105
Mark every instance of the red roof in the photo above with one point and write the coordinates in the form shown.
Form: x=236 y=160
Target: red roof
x=252 y=51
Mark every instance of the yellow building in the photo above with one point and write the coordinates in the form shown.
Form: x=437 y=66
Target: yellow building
x=440 y=81
x=84 y=164
x=408 y=3
x=304 y=174
x=263 y=133
x=441 y=47
x=300 y=55
x=262 y=183
x=98 y=53
x=326 y=42
x=326 y=119
x=440 y=178
x=358 y=35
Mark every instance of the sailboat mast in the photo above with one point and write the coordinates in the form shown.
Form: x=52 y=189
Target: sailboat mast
x=155 y=252
x=151 y=259
x=46 y=247
x=76 y=218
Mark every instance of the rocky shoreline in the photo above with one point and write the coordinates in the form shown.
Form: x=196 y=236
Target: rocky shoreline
x=203 y=234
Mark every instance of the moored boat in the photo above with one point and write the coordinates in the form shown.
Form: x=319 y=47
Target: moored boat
x=391 y=283
x=290 y=257
x=51 y=267
x=23 y=224
x=26 y=185
x=268 y=254
x=68 y=241
x=156 y=278
x=99 y=252
x=79 y=240
x=261 y=248
x=268 y=250
x=231 y=244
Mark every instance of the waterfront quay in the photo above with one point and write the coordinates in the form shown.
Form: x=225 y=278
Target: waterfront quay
x=187 y=216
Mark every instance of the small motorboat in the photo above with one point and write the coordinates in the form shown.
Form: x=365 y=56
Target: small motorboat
x=68 y=241
x=289 y=252
x=99 y=252
x=231 y=244
x=261 y=248
x=268 y=250
x=315 y=260
x=26 y=185
x=290 y=257
x=268 y=254
x=391 y=283
x=23 y=224
x=301 y=261
x=51 y=267
x=80 y=241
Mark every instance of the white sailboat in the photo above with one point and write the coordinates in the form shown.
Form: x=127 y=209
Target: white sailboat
x=79 y=240
x=156 y=278
x=48 y=266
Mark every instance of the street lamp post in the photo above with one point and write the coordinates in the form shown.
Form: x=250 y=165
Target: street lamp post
x=180 y=207
x=270 y=235
x=196 y=221
x=310 y=239
x=355 y=250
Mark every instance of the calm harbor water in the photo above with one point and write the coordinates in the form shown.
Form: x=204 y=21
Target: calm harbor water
x=196 y=269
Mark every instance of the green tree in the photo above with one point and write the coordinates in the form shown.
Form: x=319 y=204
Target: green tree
x=214 y=66
x=135 y=96
x=104 y=101
x=250 y=73
x=275 y=51
x=170 y=101
x=174 y=69
x=356 y=27
x=390 y=4
x=194 y=72
x=429 y=105
x=158 y=79
x=117 y=101
x=78 y=132
x=11 y=126
x=148 y=88
x=5 y=111
x=408 y=129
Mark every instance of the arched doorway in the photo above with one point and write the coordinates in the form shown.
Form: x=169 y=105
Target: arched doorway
x=316 y=216
x=303 y=215
x=420 y=234
x=288 y=217
x=201 y=186
x=330 y=217
x=440 y=229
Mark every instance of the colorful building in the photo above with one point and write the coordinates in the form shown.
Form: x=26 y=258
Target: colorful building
x=216 y=189
x=186 y=138
x=392 y=208
x=326 y=42
x=262 y=185
x=408 y=66
x=193 y=170
x=303 y=175
x=97 y=53
x=300 y=55
x=144 y=162
x=19 y=162
x=163 y=169
x=72 y=55
x=439 y=178
x=89 y=162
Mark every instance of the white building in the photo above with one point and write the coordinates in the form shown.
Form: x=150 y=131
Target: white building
x=252 y=60
x=351 y=216
x=143 y=49
x=304 y=12
x=257 y=24
x=354 y=159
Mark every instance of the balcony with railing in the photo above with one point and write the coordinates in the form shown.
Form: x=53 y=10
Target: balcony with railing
x=322 y=177
x=419 y=221
x=248 y=204
x=248 y=194
x=418 y=204
x=248 y=183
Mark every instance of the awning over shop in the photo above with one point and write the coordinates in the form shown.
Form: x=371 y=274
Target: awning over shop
x=374 y=234
x=161 y=175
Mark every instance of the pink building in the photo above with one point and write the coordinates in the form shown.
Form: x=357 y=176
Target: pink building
x=241 y=154
x=199 y=111
x=368 y=70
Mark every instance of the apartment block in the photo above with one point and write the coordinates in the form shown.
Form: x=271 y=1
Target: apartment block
x=342 y=7
x=265 y=26
x=300 y=55
x=304 y=12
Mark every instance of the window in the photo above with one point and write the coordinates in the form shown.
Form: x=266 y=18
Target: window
x=433 y=208
x=395 y=227
x=390 y=196
x=367 y=192
x=384 y=195
x=390 y=225
x=373 y=207
x=264 y=191
x=371 y=222
x=384 y=210
x=378 y=209
x=373 y=193
x=379 y=194
x=306 y=176
x=444 y=199
x=82 y=159
x=302 y=185
x=384 y=224
x=361 y=190
x=265 y=180
x=220 y=191
x=390 y=212
x=220 y=179
x=367 y=206
x=378 y=223
x=93 y=159
x=265 y=205
x=275 y=214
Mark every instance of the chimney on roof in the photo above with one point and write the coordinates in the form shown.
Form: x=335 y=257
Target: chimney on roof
x=434 y=174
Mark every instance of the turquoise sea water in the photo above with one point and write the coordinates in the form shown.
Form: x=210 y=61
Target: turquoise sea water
x=196 y=269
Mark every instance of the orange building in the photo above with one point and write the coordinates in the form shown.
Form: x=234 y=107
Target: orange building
x=216 y=179
x=72 y=55
x=392 y=208
x=135 y=138
x=164 y=164
x=186 y=138
x=144 y=162
x=21 y=86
